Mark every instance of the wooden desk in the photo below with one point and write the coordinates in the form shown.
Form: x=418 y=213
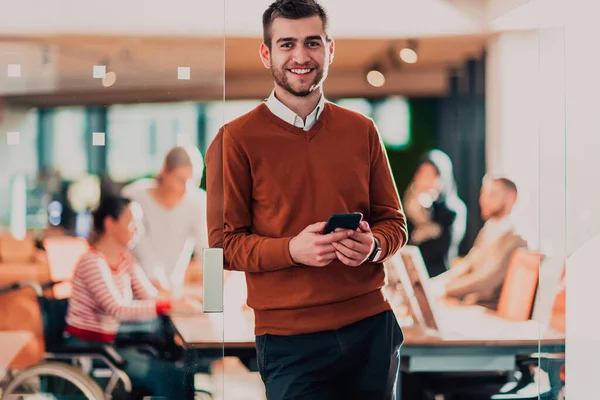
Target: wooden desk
x=491 y=349
x=463 y=326
x=422 y=351
x=205 y=331
x=427 y=352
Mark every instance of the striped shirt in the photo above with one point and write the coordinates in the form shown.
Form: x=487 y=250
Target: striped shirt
x=104 y=295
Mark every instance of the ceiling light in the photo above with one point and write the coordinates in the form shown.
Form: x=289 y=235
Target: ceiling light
x=109 y=79
x=408 y=54
x=375 y=77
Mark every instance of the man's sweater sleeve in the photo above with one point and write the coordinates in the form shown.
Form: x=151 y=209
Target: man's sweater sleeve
x=246 y=250
x=387 y=219
x=215 y=195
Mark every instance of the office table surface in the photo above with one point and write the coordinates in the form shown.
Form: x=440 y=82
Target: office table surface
x=464 y=326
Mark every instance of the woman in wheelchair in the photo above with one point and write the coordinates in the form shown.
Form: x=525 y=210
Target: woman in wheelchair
x=109 y=288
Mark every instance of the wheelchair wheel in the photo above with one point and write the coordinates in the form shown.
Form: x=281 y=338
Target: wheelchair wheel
x=52 y=381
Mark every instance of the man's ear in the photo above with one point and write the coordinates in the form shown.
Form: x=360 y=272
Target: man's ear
x=265 y=55
x=331 y=49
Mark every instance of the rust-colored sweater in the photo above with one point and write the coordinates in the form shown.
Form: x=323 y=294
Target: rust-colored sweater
x=267 y=180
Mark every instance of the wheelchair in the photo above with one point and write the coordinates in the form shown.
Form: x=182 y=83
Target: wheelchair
x=79 y=373
x=65 y=371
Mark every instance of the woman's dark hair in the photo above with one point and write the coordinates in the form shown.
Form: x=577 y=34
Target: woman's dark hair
x=291 y=9
x=110 y=206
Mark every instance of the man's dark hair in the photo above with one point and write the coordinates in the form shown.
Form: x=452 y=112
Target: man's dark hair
x=291 y=9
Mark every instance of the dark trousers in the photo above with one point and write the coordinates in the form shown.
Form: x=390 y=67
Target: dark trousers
x=359 y=361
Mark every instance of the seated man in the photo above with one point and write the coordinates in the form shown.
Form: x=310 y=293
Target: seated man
x=479 y=276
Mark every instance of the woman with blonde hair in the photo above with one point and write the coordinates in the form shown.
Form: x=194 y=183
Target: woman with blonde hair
x=174 y=218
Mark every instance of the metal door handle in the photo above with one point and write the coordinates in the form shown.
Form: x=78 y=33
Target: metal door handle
x=212 y=280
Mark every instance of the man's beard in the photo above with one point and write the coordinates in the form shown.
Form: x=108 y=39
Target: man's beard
x=280 y=77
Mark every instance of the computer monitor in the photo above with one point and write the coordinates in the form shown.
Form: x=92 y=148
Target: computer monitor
x=450 y=320
x=410 y=267
x=63 y=254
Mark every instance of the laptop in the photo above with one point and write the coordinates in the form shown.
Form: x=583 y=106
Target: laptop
x=414 y=279
x=63 y=254
x=446 y=319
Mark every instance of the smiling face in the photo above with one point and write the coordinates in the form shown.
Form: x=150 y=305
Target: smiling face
x=299 y=56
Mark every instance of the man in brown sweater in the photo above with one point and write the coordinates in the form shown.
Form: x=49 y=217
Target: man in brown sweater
x=274 y=176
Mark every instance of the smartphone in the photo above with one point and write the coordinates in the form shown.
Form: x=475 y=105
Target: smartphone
x=345 y=221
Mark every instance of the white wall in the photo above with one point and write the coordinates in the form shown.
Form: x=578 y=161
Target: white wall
x=552 y=115
x=512 y=122
x=583 y=121
x=376 y=18
x=544 y=116
x=583 y=197
x=526 y=120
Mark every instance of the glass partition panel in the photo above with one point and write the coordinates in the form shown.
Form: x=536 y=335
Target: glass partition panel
x=105 y=268
x=550 y=310
x=583 y=196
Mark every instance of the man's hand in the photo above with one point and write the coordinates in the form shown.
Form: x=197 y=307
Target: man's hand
x=355 y=250
x=314 y=249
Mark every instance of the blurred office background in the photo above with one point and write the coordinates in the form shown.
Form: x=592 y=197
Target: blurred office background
x=95 y=94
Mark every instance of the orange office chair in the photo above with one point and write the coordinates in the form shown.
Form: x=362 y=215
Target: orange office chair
x=526 y=388
x=558 y=320
x=520 y=286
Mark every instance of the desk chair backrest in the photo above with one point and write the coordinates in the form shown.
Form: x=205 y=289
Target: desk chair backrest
x=520 y=286
x=63 y=255
x=548 y=289
x=558 y=317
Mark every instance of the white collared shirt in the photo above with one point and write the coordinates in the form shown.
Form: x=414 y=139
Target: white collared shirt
x=282 y=111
